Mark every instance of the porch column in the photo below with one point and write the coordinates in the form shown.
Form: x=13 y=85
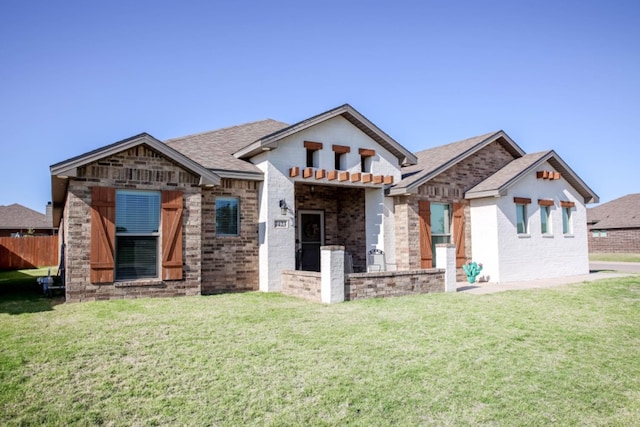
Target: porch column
x=446 y=259
x=332 y=274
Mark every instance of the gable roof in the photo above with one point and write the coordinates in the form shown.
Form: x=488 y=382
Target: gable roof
x=16 y=216
x=60 y=172
x=270 y=141
x=623 y=212
x=498 y=183
x=434 y=161
x=214 y=149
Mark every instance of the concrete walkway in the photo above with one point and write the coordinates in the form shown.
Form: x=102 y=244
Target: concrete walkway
x=489 y=288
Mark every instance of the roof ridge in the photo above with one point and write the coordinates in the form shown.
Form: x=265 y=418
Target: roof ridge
x=483 y=136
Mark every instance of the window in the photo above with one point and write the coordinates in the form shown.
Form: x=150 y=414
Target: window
x=567 y=226
x=312 y=158
x=313 y=153
x=365 y=164
x=440 y=226
x=227 y=216
x=137 y=233
x=545 y=222
x=545 y=216
x=366 y=159
x=521 y=218
x=567 y=223
x=339 y=161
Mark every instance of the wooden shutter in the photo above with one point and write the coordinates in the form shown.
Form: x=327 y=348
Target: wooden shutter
x=459 y=233
x=103 y=231
x=424 y=213
x=171 y=235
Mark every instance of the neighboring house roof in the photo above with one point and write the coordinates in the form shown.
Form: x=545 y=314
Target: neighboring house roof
x=214 y=149
x=498 y=183
x=623 y=212
x=434 y=161
x=18 y=217
x=60 y=172
x=270 y=141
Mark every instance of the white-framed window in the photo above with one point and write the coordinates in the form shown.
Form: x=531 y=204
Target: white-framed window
x=137 y=234
x=522 y=220
x=227 y=216
x=340 y=162
x=567 y=223
x=545 y=222
x=599 y=233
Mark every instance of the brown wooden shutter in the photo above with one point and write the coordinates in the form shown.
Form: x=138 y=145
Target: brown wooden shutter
x=458 y=233
x=171 y=235
x=424 y=213
x=103 y=231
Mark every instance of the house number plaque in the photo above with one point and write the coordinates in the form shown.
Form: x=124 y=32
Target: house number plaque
x=281 y=223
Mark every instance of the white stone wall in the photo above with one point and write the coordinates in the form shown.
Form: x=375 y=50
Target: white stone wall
x=532 y=256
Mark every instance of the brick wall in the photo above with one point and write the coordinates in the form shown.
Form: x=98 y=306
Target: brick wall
x=136 y=168
x=448 y=187
x=230 y=263
x=623 y=240
x=302 y=284
x=393 y=284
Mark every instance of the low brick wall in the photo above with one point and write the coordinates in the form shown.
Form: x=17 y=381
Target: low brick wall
x=393 y=283
x=138 y=289
x=302 y=284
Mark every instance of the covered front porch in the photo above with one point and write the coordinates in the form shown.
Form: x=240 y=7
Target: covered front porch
x=329 y=215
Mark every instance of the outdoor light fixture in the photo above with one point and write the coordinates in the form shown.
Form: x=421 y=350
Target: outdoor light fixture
x=283 y=207
x=312 y=189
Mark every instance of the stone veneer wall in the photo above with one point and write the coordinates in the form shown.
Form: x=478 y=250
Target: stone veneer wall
x=302 y=284
x=393 y=283
x=230 y=263
x=306 y=284
x=448 y=187
x=623 y=240
x=344 y=216
x=136 y=168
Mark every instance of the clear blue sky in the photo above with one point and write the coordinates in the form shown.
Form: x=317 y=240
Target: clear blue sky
x=77 y=75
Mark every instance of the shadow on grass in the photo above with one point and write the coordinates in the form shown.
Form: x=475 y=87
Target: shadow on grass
x=20 y=293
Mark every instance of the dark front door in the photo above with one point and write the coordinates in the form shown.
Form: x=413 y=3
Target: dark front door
x=311 y=235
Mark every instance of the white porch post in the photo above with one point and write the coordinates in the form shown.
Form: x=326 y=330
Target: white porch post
x=446 y=259
x=332 y=274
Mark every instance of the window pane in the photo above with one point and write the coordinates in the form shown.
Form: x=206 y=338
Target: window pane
x=603 y=233
x=566 y=221
x=440 y=219
x=521 y=213
x=136 y=257
x=137 y=212
x=544 y=219
x=227 y=216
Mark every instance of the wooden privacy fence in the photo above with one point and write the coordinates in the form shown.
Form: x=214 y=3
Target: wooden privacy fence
x=28 y=252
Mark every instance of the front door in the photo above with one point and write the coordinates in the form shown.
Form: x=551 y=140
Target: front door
x=311 y=236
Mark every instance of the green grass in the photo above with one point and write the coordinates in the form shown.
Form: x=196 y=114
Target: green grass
x=615 y=257
x=561 y=356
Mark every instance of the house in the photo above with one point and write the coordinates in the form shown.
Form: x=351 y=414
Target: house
x=232 y=209
x=615 y=226
x=17 y=220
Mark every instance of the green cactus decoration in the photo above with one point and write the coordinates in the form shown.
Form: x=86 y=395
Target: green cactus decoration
x=472 y=270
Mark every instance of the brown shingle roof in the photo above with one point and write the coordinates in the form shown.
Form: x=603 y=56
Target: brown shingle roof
x=498 y=183
x=506 y=175
x=16 y=216
x=434 y=161
x=214 y=149
x=623 y=212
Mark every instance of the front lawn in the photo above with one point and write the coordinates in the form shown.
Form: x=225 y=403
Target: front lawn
x=561 y=356
x=611 y=257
